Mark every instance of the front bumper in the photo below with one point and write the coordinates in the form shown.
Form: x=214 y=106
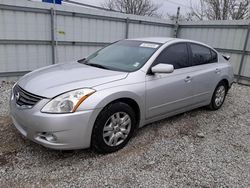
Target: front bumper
x=71 y=131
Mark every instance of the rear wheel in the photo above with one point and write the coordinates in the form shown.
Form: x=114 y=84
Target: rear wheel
x=219 y=96
x=113 y=128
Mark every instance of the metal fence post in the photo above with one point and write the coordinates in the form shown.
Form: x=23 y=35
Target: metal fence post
x=52 y=13
x=244 y=53
x=127 y=28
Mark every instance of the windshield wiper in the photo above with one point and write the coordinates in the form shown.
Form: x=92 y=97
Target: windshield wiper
x=97 y=65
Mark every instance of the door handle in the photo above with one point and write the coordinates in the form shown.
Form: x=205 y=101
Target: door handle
x=217 y=71
x=188 y=79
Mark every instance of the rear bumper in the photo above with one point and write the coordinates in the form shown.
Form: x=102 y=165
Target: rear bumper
x=70 y=131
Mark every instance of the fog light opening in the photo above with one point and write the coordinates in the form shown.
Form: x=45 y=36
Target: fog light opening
x=50 y=137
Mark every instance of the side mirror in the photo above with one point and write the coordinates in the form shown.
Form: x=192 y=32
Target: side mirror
x=81 y=60
x=162 y=68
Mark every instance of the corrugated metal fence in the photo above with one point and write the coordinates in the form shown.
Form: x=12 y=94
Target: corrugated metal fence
x=228 y=37
x=28 y=39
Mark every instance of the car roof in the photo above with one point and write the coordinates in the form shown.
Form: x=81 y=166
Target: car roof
x=164 y=40
x=154 y=39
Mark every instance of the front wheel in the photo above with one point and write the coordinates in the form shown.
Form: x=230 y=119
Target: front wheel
x=219 y=96
x=113 y=128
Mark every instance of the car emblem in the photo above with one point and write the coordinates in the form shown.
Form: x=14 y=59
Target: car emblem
x=17 y=95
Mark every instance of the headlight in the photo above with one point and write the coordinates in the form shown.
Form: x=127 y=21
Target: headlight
x=67 y=102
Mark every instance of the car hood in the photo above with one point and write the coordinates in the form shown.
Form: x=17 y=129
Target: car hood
x=56 y=79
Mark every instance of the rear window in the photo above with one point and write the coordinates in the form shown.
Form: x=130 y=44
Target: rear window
x=202 y=55
x=214 y=56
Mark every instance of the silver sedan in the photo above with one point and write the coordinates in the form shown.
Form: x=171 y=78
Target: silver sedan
x=101 y=100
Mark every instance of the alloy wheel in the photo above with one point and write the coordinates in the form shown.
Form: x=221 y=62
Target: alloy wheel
x=117 y=129
x=220 y=95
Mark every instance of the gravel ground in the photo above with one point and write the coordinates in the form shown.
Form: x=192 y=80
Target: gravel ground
x=200 y=148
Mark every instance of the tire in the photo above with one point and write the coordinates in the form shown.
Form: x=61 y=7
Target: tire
x=219 y=96
x=113 y=128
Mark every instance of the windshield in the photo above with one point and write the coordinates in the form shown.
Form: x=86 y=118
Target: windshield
x=126 y=55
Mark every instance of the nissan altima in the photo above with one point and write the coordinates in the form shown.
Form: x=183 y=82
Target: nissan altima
x=100 y=101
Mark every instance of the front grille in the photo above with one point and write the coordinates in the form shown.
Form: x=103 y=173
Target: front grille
x=24 y=98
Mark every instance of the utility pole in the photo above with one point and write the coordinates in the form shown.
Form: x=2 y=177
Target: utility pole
x=177 y=23
x=55 y=31
x=249 y=11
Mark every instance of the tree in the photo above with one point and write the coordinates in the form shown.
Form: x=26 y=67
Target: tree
x=137 y=7
x=220 y=10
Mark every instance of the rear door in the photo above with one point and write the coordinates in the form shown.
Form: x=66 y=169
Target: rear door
x=206 y=73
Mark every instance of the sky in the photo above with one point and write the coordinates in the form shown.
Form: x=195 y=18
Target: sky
x=167 y=6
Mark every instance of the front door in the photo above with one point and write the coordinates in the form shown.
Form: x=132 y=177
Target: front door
x=173 y=91
x=167 y=93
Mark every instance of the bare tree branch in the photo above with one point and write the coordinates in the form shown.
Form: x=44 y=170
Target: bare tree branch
x=137 y=7
x=220 y=10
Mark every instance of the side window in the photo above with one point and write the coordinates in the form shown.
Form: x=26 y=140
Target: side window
x=176 y=55
x=214 y=57
x=202 y=55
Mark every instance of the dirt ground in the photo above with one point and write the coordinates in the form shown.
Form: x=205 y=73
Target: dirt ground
x=200 y=148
